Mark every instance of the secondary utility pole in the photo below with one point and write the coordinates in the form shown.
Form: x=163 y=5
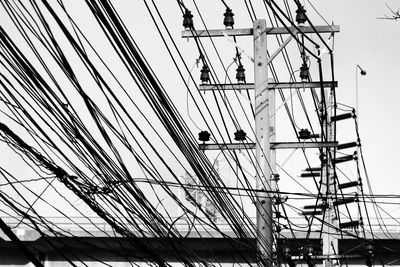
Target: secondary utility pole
x=329 y=234
x=264 y=95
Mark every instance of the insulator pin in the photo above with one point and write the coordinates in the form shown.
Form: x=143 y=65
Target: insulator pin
x=347 y=145
x=310 y=174
x=350 y=224
x=348 y=185
x=343 y=116
x=345 y=200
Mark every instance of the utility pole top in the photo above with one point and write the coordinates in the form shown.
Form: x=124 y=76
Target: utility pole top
x=268 y=31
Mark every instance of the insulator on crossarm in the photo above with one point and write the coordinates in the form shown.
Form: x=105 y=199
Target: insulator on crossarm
x=187 y=20
x=275 y=177
x=304 y=134
x=240 y=135
x=228 y=19
x=205 y=75
x=301 y=16
x=240 y=75
x=304 y=72
x=204 y=136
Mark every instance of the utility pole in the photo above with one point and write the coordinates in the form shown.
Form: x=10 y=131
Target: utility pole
x=264 y=95
x=329 y=234
x=263 y=156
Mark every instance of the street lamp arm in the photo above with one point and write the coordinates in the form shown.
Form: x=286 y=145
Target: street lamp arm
x=362 y=71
